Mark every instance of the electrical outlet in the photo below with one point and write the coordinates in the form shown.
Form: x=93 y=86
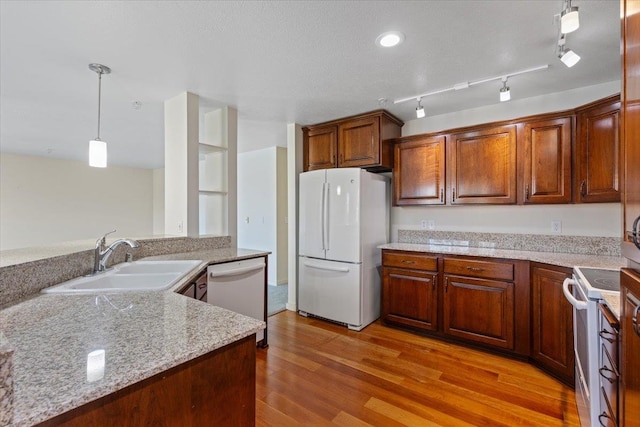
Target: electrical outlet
x=431 y=224
x=556 y=226
x=423 y=224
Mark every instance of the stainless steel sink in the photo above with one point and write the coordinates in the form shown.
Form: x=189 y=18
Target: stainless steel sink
x=130 y=277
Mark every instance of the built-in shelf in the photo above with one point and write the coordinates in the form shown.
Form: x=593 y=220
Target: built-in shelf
x=205 y=148
x=212 y=192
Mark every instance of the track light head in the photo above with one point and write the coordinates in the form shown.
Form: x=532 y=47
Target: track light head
x=568 y=57
x=569 y=19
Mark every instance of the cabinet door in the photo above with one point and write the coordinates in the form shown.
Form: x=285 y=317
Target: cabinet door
x=320 y=148
x=552 y=323
x=479 y=310
x=547 y=161
x=359 y=143
x=419 y=171
x=630 y=352
x=598 y=154
x=482 y=166
x=409 y=298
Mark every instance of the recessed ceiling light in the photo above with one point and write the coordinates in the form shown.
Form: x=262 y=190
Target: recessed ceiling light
x=390 y=39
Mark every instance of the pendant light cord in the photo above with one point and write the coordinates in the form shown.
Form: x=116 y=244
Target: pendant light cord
x=99 y=97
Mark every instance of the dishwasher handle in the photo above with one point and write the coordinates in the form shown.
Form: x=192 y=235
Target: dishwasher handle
x=236 y=272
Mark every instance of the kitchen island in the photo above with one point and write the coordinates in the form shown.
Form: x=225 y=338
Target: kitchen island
x=159 y=355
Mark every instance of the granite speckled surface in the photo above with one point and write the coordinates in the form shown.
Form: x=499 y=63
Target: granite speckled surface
x=6 y=381
x=584 y=245
x=48 y=338
x=560 y=259
x=141 y=334
x=22 y=279
x=613 y=302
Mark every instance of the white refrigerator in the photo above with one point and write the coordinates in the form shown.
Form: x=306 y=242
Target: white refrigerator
x=344 y=216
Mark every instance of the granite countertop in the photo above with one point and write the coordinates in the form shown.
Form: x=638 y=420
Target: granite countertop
x=141 y=333
x=554 y=258
x=613 y=302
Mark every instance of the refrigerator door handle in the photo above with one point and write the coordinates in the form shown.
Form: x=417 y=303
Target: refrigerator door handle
x=327 y=268
x=325 y=216
x=322 y=213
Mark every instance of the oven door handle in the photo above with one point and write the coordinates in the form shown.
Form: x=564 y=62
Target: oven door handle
x=578 y=305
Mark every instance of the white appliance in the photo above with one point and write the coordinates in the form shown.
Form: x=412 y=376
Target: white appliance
x=343 y=218
x=589 y=284
x=240 y=286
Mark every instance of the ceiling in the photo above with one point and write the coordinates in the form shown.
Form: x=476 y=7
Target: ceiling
x=275 y=61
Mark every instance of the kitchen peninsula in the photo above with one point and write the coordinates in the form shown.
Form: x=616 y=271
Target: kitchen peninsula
x=117 y=358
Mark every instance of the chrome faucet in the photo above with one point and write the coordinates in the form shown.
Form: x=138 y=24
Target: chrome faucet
x=102 y=253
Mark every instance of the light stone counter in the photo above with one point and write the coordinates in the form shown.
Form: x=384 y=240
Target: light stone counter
x=142 y=334
x=613 y=302
x=554 y=258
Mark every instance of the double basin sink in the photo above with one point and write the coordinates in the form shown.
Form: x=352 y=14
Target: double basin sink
x=130 y=277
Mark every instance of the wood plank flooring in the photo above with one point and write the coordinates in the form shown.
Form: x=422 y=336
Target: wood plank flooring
x=315 y=373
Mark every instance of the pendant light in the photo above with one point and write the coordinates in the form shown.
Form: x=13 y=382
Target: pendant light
x=98 y=147
x=505 y=92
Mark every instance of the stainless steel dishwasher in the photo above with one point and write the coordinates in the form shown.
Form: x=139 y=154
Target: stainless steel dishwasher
x=240 y=286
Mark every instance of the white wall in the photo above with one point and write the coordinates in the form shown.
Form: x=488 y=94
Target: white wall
x=45 y=201
x=259 y=216
x=294 y=167
x=577 y=220
x=282 y=233
x=158 y=201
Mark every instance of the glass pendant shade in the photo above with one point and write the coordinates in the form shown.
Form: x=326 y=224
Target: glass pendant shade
x=97 y=153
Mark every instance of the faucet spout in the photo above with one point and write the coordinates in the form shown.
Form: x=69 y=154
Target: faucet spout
x=102 y=254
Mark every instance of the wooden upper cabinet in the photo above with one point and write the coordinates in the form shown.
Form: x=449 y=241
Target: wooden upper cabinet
x=419 y=172
x=359 y=141
x=482 y=166
x=547 y=161
x=320 y=148
x=598 y=153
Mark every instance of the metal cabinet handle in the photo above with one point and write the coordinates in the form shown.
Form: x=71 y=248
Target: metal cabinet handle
x=605 y=415
x=333 y=159
x=606 y=370
x=341 y=158
x=446 y=284
x=611 y=336
x=442 y=195
x=433 y=282
x=526 y=191
x=475 y=269
x=583 y=191
x=453 y=197
x=634 y=320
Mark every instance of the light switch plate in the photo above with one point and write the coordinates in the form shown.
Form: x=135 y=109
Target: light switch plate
x=556 y=226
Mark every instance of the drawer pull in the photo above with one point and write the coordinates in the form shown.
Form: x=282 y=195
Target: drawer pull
x=475 y=269
x=404 y=261
x=442 y=195
x=612 y=379
x=611 y=336
x=604 y=415
x=634 y=320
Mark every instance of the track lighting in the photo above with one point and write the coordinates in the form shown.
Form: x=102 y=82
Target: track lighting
x=505 y=92
x=569 y=19
x=419 y=110
x=98 y=147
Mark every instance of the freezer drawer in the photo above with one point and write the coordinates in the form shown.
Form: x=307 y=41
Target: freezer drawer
x=330 y=290
x=239 y=286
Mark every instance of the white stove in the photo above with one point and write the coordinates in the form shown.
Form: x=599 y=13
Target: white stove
x=589 y=285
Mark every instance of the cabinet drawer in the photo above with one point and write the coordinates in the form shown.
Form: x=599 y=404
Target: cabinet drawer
x=608 y=415
x=609 y=379
x=406 y=260
x=482 y=269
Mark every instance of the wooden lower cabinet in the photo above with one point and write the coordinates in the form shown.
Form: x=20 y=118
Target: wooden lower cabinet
x=551 y=322
x=629 y=409
x=410 y=298
x=479 y=310
x=216 y=389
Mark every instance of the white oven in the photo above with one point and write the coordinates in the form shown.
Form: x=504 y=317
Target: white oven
x=587 y=287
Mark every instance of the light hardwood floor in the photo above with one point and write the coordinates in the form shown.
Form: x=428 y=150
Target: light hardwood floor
x=318 y=373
